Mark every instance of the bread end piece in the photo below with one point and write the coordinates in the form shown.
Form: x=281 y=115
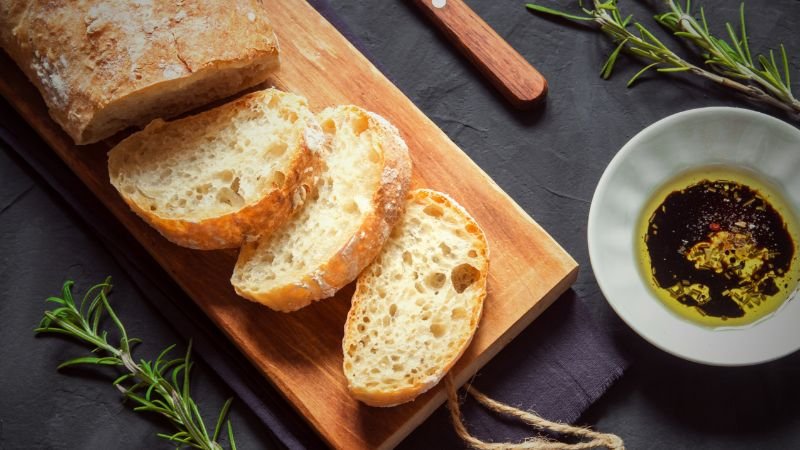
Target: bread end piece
x=228 y=218
x=418 y=305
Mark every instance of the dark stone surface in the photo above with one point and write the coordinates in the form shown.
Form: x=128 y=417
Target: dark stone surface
x=548 y=160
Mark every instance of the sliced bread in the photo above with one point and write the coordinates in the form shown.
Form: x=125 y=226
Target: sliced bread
x=363 y=184
x=417 y=306
x=210 y=180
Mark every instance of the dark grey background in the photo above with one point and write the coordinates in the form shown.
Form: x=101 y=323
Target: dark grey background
x=549 y=160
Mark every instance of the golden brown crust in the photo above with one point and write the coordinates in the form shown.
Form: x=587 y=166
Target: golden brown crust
x=345 y=265
x=102 y=66
x=393 y=398
x=399 y=396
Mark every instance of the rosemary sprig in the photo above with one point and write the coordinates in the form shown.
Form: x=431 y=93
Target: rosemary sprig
x=731 y=65
x=150 y=386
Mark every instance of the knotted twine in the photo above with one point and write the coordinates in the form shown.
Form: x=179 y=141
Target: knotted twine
x=610 y=441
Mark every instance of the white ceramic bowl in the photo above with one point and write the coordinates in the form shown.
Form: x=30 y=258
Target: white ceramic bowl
x=691 y=139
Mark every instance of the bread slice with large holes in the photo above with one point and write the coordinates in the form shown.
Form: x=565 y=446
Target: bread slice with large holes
x=363 y=183
x=211 y=180
x=417 y=306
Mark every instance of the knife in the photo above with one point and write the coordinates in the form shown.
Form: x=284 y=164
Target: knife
x=509 y=72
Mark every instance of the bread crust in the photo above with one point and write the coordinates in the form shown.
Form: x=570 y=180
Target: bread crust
x=102 y=66
x=232 y=229
x=407 y=394
x=345 y=265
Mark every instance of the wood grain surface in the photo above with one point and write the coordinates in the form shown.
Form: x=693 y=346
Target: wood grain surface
x=300 y=353
x=518 y=81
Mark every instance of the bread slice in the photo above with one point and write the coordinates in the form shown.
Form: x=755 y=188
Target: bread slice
x=417 y=306
x=102 y=66
x=209 y=181
x=362 y=188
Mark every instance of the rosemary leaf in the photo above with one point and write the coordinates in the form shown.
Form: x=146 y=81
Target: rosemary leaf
x=640 y=73
x=555 y=12
x=674 y=69
x=231 y=441
x=104 y=361
x=222 y=414
x=786 y=66
x=743 y=27
x=609 y=65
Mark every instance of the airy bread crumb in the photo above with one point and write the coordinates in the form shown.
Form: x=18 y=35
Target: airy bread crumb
x=417 y=306
x=365 y=177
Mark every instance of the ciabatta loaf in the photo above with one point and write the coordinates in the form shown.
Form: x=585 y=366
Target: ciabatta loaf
x=362 y=188
x=417 y=306
x=211 y=180
x=104 y=65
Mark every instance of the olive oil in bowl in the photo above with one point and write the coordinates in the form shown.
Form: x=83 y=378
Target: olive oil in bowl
x=718 y=246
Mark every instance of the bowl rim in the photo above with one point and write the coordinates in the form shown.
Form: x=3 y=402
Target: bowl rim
x=602 y=187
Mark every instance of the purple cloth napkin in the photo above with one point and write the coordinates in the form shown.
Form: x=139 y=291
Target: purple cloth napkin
x=557 y=367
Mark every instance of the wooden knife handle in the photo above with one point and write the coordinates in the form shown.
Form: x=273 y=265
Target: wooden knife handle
x=508 y=71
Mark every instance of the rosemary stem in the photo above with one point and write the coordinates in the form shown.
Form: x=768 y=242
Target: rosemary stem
x=727 y=63
x=146 y=383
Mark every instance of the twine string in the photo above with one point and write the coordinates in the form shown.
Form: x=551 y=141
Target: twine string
x=595 y=439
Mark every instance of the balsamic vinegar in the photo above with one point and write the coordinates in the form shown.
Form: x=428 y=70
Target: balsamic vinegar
x=717 y=247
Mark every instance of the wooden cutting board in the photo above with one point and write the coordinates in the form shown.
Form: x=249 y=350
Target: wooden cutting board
x=300 y=353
